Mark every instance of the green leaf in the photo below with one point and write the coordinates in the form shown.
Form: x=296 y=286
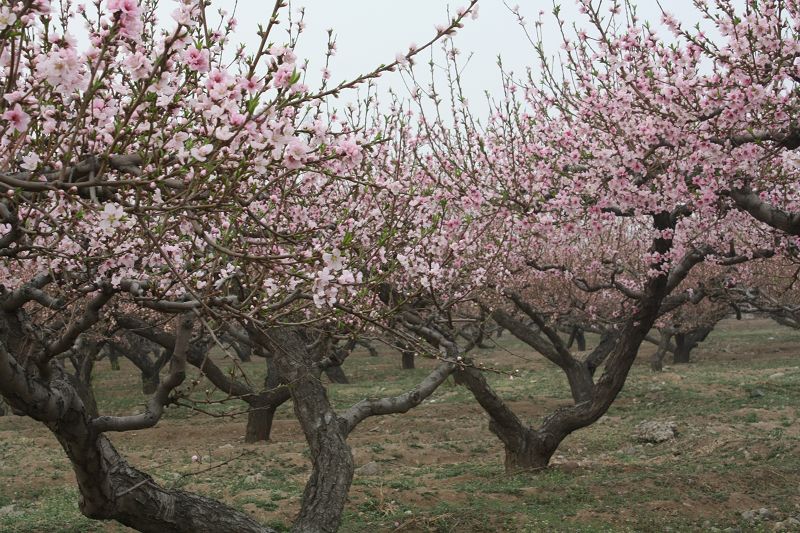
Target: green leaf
x=252 y=104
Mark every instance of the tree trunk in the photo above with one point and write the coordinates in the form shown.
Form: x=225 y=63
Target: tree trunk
x=514 y=435
x=686 y=342
x=336 y=375
x=683 y=349
x=332 y=472
x=82 y=380
x=577 y=335
x=326 y=491
x=581 y=384
x=259 y=422
x=408 y=360
x=657 y=360
x=529 y=448
x=113 y=358
x=111 y=489
x=407 y=357
x=150 y=381
x=264 y=405
x=533 y=453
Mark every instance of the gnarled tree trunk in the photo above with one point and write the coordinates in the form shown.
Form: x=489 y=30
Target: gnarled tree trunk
x=336 y=374
x=264 y=405
x=406 y=355
x=664 y=346
x=110 y=489
x=685 y=342
x=576 y=335
x=326 y=491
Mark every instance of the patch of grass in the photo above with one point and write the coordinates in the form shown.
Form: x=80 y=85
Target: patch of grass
x=47 y=510
x=734 y=452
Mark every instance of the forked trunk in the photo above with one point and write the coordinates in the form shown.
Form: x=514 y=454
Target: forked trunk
x=532 y=452
x=111 y=489
x=326 y=491
x=576 y=335
x=657 y=359
x=686 y=342
x=150 y=382
x=259 y=422
x=264 y=405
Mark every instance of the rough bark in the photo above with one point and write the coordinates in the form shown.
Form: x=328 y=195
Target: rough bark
x=685 y=342
x=264 y=405
x=110 y=489
x=259 y=422
x=749 y=201
x=532 y=448
x=326 y=491
x=336 y=374
x=398 y=404
x=664 y=345
x=407 y=358
x=576 y=335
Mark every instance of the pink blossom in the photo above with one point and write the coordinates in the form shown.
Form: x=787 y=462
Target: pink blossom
x=346 y=278
x=127 y=7
x=30 y=161
x=251 y=85
x=18 y=118
x=110 y=216
x=283 y=76
x=184 y=15
x=333 y=260
x=61 y=68
x=200 y=153
x=295 y=154
x=139 y=66
x=197 y=60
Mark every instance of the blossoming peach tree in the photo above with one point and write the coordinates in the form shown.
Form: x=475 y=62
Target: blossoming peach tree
x=624 y=163
x=160 y=174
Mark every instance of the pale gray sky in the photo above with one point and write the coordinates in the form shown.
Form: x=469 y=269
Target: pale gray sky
x=371 y=32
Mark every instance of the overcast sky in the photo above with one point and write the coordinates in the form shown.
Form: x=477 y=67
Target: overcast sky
x=371 y=32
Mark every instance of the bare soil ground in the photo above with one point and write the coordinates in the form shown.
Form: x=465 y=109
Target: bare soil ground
x=438 y=468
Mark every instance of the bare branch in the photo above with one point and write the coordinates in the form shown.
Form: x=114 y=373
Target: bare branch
x=155 y=407
x=397 y=404
x=749 y=201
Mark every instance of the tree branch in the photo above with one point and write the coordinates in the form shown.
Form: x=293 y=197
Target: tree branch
x=155 y=407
